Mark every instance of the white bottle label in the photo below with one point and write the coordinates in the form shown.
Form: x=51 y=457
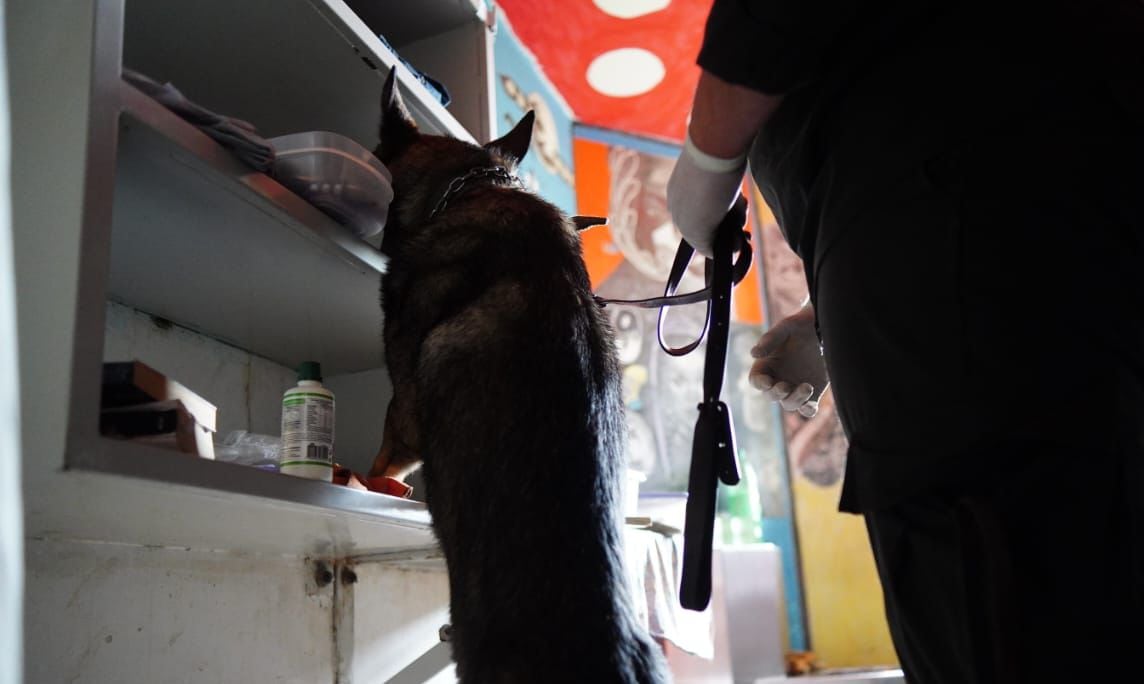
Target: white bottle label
x=307 y=429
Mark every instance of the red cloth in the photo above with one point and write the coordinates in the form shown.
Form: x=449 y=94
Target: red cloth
x=380 y=484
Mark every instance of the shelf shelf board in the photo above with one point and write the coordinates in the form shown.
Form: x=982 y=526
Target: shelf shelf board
x=285 y=65
x=123 y=492
x=200 y=239
x=404 y=22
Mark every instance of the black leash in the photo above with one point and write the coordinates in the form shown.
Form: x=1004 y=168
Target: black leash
x=713 y=454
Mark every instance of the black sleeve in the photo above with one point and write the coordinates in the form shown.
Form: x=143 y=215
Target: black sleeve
x=774 y=46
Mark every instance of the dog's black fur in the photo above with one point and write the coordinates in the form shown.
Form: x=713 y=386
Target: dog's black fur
x=506 y=383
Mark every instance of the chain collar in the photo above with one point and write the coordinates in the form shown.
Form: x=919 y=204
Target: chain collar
x=458 y=184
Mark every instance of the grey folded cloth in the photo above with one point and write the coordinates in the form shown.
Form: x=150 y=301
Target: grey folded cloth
x=239 y=136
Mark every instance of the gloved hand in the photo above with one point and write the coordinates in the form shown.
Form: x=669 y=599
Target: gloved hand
x=789 y=367
x=700 y=191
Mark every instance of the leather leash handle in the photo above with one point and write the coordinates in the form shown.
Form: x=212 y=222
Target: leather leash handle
x=678 y=268
x=715 y=364
x=699 y=523
x=713 y=453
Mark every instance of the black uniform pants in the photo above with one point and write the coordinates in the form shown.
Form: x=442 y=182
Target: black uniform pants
x=1037 y=578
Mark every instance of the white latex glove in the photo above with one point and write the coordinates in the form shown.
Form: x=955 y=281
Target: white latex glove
x=788 y=366
x=701 y=190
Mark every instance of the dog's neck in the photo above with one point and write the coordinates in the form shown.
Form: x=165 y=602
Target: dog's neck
x=497 y=175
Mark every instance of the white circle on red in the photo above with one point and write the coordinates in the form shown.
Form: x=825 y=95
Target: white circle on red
x=625 y=72
x=630 y=9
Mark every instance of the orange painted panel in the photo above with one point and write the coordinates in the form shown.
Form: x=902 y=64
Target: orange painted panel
x=593 y=180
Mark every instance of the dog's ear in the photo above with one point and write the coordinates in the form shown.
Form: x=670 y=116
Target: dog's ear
x=515 y=143
x=397 y=129
x=586 y=222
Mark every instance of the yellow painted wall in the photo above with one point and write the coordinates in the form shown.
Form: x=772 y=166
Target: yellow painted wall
x=843 y=597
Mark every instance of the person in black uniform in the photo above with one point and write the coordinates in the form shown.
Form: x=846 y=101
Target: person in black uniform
x=965 y=185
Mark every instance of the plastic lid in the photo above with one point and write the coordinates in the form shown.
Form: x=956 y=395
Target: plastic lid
x=309 y=370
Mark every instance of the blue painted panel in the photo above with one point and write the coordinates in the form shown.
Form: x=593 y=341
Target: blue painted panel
x=520 y=86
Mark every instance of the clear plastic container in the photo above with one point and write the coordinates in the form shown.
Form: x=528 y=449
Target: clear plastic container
x=245 y=448
x=336 y=175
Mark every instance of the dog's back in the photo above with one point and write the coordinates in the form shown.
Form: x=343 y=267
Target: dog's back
x=506 y=383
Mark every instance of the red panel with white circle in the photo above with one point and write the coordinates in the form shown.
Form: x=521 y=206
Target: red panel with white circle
x=626 y=65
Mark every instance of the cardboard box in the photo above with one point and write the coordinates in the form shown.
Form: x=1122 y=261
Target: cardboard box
x=132 y=384
x=167 y=424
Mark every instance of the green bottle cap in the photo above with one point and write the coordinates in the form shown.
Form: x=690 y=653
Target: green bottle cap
x=310 y=370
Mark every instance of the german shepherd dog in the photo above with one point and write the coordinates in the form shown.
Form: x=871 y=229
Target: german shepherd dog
x=506 y=384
